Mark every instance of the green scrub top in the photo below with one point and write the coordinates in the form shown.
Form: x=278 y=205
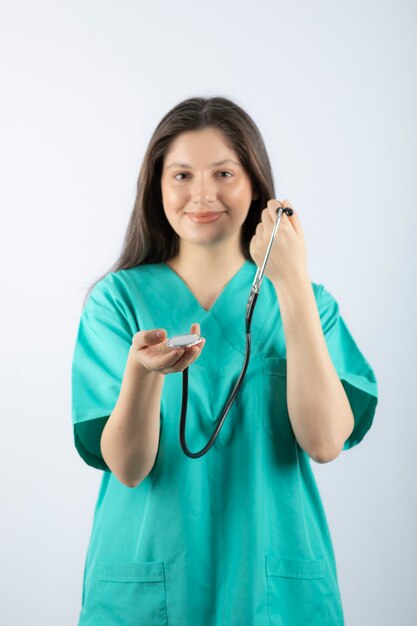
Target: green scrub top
x=238 y=536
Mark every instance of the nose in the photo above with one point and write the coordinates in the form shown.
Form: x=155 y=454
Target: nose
x=204 y=190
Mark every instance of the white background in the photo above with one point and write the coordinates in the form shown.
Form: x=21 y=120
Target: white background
x=332 y=88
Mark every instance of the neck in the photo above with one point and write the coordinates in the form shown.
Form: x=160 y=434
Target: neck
x=207 y=261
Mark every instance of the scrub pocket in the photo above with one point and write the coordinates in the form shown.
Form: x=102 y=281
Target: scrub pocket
x=276 y=420
x=132 y=594
x=298 y=593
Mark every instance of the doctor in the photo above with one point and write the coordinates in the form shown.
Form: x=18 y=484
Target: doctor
x=238 y=536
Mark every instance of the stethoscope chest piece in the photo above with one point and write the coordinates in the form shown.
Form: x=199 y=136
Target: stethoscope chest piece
x=183 y=341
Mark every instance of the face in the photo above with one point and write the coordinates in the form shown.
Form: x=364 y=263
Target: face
x=205 y=202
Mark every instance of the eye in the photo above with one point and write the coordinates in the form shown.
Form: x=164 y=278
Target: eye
x=229 y=174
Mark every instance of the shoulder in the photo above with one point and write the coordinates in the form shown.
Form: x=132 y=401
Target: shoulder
x=116 y=293
x=328 y=308
x=323 y=296
x=119 y=294
x=120 y=285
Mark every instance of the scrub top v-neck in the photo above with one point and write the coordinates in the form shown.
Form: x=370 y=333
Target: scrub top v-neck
x=188 y=292
x=228 y=306
x=238 y=536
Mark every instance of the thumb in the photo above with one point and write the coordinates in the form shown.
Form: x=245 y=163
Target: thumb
x=148 y=338
x=157 y=335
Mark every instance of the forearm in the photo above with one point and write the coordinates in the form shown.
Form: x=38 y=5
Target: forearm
x=318 y=406
x=129 y=442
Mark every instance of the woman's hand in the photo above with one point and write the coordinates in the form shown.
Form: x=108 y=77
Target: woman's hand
x=288 y=255
x=153 y=353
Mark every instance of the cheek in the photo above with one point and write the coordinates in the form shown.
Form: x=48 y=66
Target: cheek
x=239 y=192
x=172 y=197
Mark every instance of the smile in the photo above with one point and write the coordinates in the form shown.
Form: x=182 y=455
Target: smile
x=204 y=218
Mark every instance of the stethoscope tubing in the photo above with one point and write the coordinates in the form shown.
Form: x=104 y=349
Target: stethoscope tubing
x=250 y=306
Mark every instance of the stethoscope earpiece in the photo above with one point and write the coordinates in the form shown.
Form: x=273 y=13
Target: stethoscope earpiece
x=286 y=210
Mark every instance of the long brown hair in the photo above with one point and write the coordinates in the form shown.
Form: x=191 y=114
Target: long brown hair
x=149 y=237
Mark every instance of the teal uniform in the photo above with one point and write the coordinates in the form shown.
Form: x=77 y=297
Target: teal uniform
x=237 y=537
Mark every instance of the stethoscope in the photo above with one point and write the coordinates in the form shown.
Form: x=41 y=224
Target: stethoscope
x=190 y=340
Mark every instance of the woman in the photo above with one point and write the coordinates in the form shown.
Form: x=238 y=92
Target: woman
x=238 y=536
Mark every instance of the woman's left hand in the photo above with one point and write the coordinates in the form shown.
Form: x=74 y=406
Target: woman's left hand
x=288 y=255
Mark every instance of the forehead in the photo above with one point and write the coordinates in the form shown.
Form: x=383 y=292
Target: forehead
x=206 y=144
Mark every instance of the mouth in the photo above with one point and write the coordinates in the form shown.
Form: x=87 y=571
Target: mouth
x=205 y=217
x=208 y=213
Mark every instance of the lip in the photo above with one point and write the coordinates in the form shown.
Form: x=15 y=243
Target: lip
x=205 y=218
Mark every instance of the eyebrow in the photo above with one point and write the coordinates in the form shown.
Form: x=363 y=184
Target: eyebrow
x=212 y=165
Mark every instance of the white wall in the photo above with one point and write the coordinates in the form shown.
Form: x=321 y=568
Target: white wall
x=332 y=88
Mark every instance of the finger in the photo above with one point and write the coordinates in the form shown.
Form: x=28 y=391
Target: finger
x=288 y=219
x=191 y=353
x=266 y=220
x=294 y=219
x=284 y=217
x=169 y=360
x=273 y=210
x=272 y=206
x=195 y=328
x=145 y=338
x=286 y=204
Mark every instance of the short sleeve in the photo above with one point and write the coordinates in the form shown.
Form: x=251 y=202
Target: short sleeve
x=101 y=350
x=357 y=377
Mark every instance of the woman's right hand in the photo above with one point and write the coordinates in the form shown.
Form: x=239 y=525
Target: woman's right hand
x=153 y=353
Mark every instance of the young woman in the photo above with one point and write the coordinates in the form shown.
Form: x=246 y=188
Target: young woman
x=237 y=536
